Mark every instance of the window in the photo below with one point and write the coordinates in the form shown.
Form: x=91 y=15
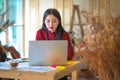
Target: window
x=14 y=34
x=2 y=33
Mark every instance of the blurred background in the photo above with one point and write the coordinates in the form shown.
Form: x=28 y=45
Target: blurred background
x=27 y=17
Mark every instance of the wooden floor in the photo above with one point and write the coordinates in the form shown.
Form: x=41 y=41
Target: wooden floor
x=84 y=75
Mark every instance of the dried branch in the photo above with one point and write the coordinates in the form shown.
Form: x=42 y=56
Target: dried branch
x=103 y=51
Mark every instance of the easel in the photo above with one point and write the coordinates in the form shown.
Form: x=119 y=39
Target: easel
x=76 y=8
x=76 y=45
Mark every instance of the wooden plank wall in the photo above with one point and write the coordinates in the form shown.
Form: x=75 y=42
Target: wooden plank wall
x=104 y=7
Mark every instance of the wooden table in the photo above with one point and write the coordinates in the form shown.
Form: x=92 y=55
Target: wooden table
x=28 y=73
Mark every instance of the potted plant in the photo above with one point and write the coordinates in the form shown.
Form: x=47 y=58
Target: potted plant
x=3 y=26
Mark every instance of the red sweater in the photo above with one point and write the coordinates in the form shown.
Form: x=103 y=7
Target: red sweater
x=41 y=35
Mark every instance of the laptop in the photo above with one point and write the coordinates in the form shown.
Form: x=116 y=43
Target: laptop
x=47 y=52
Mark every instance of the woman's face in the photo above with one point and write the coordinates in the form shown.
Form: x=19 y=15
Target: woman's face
x=51 y=23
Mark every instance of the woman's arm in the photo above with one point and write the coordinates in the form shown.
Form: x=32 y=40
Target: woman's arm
x=70 y=48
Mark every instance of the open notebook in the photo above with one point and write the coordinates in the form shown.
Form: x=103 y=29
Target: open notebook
x=48 y=52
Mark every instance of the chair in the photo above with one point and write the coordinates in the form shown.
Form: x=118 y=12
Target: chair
x=14 y=53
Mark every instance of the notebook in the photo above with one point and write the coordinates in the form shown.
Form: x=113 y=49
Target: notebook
x=47 y=52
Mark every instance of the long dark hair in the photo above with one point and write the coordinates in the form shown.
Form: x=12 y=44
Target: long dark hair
x=59 y=30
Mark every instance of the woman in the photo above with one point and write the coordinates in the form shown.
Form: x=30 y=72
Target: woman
x=52 y=30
